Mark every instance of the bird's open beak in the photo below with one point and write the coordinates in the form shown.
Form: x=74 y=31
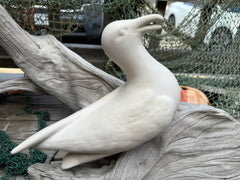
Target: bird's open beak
x=149 y=23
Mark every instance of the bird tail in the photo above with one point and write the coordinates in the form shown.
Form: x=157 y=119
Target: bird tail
x=40 y=136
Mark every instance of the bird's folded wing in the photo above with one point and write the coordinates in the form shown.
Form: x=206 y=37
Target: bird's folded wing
x=76 y=126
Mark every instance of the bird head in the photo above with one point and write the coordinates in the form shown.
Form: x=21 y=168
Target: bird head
x=123 y=34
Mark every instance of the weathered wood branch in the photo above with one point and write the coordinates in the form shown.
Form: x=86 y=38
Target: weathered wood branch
x=201 y=143
x=56 y=69
x=23 y=84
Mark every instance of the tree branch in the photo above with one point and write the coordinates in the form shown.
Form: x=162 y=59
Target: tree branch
x=201 y=143
x=56 y=69
x=23 y=84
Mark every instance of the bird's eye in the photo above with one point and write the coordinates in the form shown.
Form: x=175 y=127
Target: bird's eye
x=122 y=32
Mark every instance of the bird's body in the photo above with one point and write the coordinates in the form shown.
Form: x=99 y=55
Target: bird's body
x=127 y=117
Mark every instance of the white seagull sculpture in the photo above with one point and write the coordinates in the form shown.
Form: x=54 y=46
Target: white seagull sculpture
x=128 y=116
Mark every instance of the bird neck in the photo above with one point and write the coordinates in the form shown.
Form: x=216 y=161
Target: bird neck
x=143 y=71
x=138 y=64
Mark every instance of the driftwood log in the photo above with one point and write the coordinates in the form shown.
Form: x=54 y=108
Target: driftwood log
x=52 y=67
x=201 y=143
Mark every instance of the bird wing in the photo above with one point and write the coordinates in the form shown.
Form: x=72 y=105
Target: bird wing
x=81 y=116
x=115 y=123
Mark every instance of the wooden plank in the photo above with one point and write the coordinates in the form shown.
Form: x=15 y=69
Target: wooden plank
x=35 y=99
x=18 y=131
x=91 y=53
x=15 y=112
x=83 y=46
x=21 y=124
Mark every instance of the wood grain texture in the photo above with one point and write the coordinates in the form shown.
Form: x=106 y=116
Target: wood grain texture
x=23 y=84
x=21 y=125
x=50 y=65
x=93 y=54
x=201 y=143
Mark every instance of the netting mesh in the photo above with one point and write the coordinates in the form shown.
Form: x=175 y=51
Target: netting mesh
x=60 y=17
x=202 y=51
x=56 y=17
x=12 y=165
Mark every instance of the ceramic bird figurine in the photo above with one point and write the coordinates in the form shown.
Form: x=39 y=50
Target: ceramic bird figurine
x=127 y=117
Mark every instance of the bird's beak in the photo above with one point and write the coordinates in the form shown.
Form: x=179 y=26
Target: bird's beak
x=149 y=23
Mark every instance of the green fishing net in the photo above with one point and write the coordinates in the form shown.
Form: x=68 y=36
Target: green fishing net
x=202 y=51
x=12 y=165
x=61 y=17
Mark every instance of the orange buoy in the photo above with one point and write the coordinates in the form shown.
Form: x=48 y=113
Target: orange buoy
x=193 y=95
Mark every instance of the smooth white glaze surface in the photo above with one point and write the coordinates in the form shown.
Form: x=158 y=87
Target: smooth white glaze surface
x=128 y=116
